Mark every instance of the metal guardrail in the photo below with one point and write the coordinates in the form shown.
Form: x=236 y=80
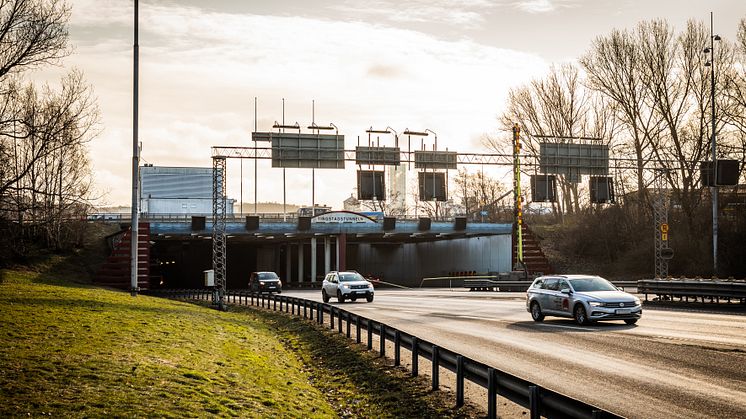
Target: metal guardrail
x=450 y=279
x=540 y=401
x=491 y=283
x=684 y=289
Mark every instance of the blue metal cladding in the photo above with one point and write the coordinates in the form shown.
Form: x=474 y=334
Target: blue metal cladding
x=176 y=182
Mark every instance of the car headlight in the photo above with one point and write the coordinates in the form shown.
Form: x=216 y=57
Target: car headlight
x=638 y=302
x=596 y=303
x=345 y=286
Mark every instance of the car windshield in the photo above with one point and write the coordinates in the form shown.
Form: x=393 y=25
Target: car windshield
x=350 y=277
x=267 y=275
x=591 y=284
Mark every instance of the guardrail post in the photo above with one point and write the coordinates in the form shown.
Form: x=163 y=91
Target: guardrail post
x=436 y=368
x=274 y=303
x=348 y=325
x=320 y=312
x=415 y=356
x=459 y=380
x=339 y=320
x=357 y=329
x=370 y=334
x=491 y=393
x=382 y=340
x=305 y=309
x=397 y=348
x=534 y=402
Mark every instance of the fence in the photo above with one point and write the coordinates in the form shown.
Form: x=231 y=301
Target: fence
x=539 y=401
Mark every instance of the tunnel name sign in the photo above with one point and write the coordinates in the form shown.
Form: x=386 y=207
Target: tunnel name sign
x=342 y=217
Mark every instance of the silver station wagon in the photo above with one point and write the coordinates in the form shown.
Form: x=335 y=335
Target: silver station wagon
x=586 y=298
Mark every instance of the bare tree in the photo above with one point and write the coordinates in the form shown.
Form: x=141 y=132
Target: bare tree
x=32 y=33
x=557 y=106
x=44 y=171
x=478 y=192
x=613 y=69
x=734 y=93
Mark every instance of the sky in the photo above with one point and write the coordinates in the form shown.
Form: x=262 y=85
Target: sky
x=445 y=66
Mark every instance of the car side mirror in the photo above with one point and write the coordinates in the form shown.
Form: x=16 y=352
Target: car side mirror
x=566 y=291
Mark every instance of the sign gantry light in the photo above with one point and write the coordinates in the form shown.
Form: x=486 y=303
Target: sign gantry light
x=370 y=183
x=432 y=185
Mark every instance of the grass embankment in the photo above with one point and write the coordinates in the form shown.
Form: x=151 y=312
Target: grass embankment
x=72 y=350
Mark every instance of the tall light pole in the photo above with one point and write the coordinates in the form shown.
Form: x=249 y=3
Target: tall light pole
x=134 y=232
x=713 y=179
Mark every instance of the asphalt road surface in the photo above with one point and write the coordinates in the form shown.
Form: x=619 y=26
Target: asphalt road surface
x=672 y=363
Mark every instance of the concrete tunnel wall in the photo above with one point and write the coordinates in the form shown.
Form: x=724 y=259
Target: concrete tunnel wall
x=408 y=263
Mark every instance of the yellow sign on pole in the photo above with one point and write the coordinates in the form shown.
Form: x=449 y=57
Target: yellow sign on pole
x=664 y=237
x=664 y=228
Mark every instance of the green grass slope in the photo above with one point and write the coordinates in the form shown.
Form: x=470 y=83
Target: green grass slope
x=78 y=351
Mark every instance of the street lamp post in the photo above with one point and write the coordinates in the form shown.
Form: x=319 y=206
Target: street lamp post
x=134 y=229
x=713 y=179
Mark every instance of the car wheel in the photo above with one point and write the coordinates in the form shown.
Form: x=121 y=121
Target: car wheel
x=630 y=321
x=581 y=317
x=340 y=297
x=324 y=295
x=369 y=298
x=536 y=313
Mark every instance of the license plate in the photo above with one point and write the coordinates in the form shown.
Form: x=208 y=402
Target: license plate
x=623 y=311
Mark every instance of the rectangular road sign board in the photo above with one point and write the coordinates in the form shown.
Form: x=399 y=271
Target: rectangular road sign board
x=307 y=150
x=389 y=156
x=574 y=159
x=435 y=159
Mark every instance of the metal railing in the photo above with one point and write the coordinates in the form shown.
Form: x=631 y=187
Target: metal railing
x=540 y=401
x=684 y=289
x=492 y=283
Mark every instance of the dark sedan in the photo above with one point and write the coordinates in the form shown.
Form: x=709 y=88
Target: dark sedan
x=265 y=282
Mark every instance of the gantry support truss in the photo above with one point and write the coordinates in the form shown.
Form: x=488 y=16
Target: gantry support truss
x=218 y=230
x=661 y=203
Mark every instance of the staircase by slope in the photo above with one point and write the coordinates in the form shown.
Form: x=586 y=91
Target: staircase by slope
x=115 y=272
x=533 y=257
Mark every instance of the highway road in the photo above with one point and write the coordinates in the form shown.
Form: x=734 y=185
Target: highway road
x=673 y=363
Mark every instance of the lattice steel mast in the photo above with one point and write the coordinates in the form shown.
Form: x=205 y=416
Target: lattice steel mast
x=218 y=229
x=661 y=204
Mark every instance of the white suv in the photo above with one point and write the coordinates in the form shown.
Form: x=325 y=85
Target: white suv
x=346 y=285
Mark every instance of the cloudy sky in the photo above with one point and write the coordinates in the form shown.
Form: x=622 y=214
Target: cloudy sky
x=444 y=65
